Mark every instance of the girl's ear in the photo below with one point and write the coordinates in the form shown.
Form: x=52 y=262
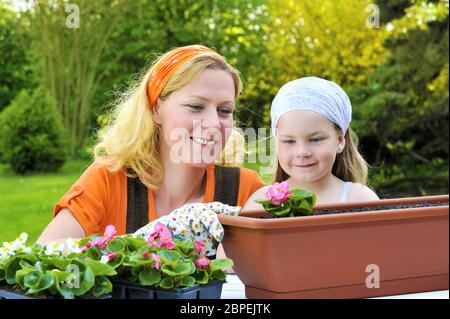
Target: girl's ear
x=155 y=111
x=341 y=142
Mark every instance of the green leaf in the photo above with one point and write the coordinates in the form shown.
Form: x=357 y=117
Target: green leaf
x=87 y=281
x=169 y=257
x=99 y=268
x=102 y=286
x=13 y=265
x=218 y=274
x=201 y=276
x=61 y=287
x=45 y=281
x=59 y=262
x=116 y=245
x=149 y=276
x=134 y=243
x=184 y=268
x=282 y=211
x=166 y=283
x=93 y=253
x=221 y=263
x=28 y=277
x=187 y=281
x=185 y=247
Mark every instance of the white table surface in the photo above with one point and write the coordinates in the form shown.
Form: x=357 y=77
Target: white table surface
x=235 y=289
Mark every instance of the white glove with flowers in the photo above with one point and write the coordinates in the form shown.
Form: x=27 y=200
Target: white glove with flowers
x=195 y=221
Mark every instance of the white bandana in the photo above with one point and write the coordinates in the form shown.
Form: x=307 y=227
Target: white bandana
x=313 y=94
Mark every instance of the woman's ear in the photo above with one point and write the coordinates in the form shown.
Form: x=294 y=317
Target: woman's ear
x=156 y=112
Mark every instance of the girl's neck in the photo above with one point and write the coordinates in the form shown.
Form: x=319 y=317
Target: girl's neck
x=320 y=187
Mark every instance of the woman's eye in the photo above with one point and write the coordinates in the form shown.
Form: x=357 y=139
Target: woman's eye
x=289 y=141
x=195 y=107
x=225 y=111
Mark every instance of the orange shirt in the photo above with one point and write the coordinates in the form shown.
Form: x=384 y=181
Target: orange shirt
x=99 y=197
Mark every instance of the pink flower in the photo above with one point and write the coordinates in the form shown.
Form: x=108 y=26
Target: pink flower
x=110 y=231
x=202 y=263
x=165 y=240
x=199 y=247
x=145 y=254
x=159 y=228
x=157 y=261
x=278 y=193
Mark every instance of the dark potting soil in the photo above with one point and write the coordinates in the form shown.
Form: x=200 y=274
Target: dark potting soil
x=375 y=208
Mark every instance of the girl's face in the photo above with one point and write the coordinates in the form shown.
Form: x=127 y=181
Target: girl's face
x=307 y=145
x=197 y=119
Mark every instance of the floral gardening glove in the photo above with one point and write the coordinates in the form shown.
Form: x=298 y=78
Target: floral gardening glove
x=195 y=221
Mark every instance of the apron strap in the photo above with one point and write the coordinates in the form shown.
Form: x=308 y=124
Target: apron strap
x=137 y=204
x=227 y=184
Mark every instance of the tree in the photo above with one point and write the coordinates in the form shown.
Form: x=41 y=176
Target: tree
x=401 y=112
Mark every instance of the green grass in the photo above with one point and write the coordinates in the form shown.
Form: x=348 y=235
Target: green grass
x=27 y=201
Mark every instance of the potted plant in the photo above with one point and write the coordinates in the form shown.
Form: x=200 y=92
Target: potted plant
x=50 y=271
x=344 y=250
x=124 y=267
x=158 y=267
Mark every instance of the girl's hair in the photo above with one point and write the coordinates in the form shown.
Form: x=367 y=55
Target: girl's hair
x=131 y=139
x=349 y=165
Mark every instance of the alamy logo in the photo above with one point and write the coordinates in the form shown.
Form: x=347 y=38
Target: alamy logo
x=73 y=19
x=373 y=279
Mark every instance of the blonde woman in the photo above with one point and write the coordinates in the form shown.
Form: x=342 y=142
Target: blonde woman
x=316 y=147
x=159 y=150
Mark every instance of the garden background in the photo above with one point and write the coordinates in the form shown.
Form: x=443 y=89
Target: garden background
x=62 y=63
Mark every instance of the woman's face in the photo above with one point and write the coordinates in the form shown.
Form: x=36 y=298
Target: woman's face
x=307 y=145
x=197 y=119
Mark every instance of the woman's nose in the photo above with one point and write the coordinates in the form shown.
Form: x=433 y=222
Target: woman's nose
x=211 y=119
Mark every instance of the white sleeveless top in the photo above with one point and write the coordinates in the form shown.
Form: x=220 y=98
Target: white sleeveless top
x=344 y=193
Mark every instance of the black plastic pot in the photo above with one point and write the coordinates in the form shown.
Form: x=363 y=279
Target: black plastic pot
x=5 y=294
x=132 y=290
x=8 y=294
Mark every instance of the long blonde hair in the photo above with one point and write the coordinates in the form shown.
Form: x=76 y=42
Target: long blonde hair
x=349 y=165
x=131 y=139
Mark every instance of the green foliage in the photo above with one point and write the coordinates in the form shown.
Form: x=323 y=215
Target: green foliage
x=401 y=112
x=31 y=134
x=135 y=260
x=300 y=203
x=39 y=270
x=14 y=70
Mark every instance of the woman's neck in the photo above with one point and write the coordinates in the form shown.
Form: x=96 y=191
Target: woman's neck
x=182 y=184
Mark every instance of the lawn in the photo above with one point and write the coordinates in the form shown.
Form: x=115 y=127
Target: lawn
x=27 y=202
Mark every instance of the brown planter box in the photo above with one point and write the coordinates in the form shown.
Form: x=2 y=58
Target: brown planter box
x=326 y=256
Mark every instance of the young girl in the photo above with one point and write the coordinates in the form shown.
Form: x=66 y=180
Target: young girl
x=315 y=146
x=139 y=173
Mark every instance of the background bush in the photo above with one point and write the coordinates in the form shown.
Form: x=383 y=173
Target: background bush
x=31 y=134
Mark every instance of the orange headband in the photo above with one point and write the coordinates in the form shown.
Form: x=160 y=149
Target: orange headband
x=167 y=66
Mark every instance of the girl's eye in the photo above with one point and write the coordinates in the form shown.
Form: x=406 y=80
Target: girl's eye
x=315 y=140
x=225 y=111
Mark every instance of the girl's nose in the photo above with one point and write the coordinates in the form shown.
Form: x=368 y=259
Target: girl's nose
x=303 y=151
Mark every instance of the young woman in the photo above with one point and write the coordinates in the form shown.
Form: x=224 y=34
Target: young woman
x=159 y=149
